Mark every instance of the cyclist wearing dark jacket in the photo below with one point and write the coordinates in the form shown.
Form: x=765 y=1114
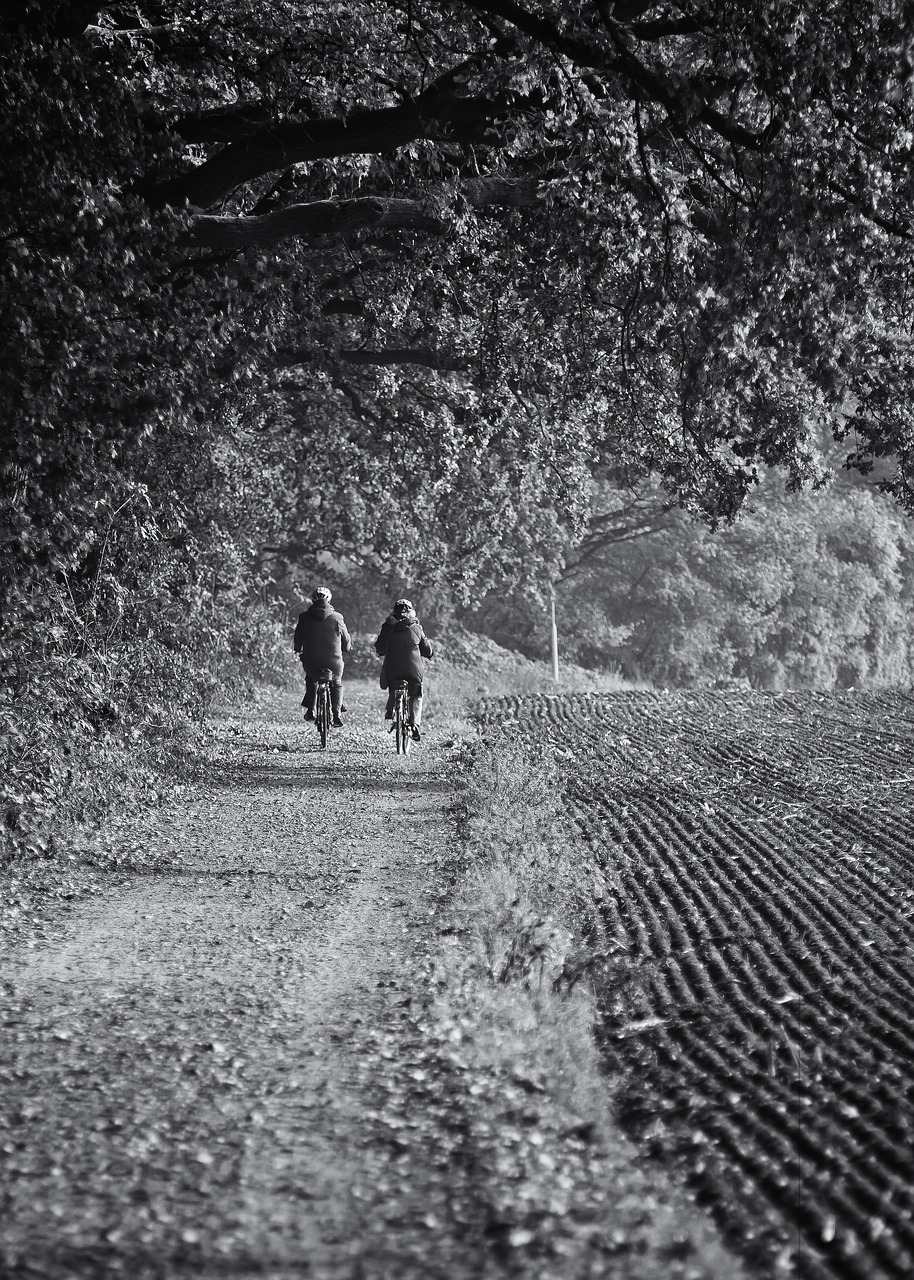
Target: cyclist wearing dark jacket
x=321 y=639
x=403 y=644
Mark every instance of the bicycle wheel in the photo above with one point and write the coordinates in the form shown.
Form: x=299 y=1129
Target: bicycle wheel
x=404 y=733
x=322 y=715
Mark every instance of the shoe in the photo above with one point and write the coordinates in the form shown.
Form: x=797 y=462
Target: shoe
x=337 y=723
x=417 y=736
x=309 y=715
x=343 y=707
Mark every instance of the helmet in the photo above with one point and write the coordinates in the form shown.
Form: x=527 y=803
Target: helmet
x=403 y=607
x=321 y=595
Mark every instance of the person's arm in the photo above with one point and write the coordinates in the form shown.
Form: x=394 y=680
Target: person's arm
x=345 y=637
x=299 y=639
x=425 y=645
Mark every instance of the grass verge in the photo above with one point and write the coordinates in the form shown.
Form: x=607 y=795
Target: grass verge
x=565 y=1193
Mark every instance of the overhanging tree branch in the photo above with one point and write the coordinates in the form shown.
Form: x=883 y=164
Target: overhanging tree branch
x=438 y=113
x=320 y=218
x=659 y=29
x=295 y=142
x=682 y=101
x=592 y=547
x=339 y=217
x=429 y=359
x=902 y=230
x=546 y=33
x=225 y=124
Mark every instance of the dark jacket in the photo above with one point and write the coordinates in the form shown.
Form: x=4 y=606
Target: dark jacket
x=321 y=636
x=402 y=644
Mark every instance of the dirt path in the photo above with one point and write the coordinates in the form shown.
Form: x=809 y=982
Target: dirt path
x=188 y=1063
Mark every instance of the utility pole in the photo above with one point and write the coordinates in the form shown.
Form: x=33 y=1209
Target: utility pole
x=555 y=644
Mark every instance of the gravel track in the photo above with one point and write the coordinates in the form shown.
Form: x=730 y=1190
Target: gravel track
x=760 y=853
x=191 y=1063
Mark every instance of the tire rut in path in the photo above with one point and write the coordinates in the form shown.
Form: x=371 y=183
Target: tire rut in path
x=184 y=1068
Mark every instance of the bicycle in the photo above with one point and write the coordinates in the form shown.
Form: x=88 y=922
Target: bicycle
x=323 y=714
x=403 y=730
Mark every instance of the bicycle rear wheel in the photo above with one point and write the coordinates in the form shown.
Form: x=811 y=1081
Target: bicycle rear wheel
x=322 y=714
x=404 y=733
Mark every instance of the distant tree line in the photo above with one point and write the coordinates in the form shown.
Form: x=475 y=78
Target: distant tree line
x=810 y=590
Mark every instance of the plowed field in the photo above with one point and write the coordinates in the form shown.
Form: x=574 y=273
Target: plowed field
x=759 y=859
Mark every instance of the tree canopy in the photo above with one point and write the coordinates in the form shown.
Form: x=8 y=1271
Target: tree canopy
x=678 y=237
x=656 y=237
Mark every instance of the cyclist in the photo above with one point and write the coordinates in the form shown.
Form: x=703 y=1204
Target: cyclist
x=321 y=639
x=403 y=644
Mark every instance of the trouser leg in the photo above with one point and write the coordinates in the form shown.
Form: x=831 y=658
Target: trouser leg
x=391 y=698
x=308 y=700
x=415 y=703
x=336 y=697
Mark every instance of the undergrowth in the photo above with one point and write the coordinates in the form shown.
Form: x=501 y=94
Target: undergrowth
x=90 y=724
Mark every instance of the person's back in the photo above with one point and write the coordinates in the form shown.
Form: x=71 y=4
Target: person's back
x=321 y=639
x=321 y=636
x=403 y=645
x=404 y=653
